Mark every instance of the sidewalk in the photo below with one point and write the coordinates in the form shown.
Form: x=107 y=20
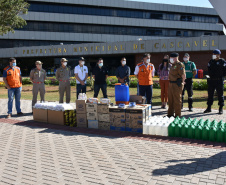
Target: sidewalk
x=39 y=153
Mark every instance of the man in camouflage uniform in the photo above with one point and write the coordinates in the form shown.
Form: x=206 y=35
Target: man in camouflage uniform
x=63 y=76
x=38 y=76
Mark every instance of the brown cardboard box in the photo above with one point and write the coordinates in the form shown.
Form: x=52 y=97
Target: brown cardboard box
x=91 y=107
x=81 y=106
x=103 y=108
x=104 y=117
x=93 y=124
x=56 y=117
x=135 y=116
x=82 y=120
x=104 y=125
x=137 y=99
x=40 y=115
x=92 y=116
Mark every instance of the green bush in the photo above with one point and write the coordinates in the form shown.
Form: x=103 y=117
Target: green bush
x=73 y=82
x=26 y=81
x=200 y=85
x=48 y=82
x=133 y=83
x=111 y=81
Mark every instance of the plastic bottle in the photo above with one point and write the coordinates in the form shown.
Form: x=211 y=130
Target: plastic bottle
x=213 y=133
x=220 y=135
x=178 y=128
x=184 y=131
x=206 y=133
x=171 y=129
x=198 y=132
x=191 y=132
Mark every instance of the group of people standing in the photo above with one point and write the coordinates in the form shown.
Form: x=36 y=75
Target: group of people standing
x=175 y=78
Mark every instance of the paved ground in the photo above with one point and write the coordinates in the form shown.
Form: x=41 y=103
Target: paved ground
x=37 y=153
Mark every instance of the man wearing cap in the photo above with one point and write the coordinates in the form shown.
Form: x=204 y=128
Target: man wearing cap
x=81 y=74
x=38 y=77
x=144 y=72
x=63 y=76
x=13 y=81
x=177 y=77
x=215 y=80
x=191 y=71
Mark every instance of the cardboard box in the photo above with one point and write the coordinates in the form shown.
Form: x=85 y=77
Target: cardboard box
x=137 y=99
x=81 y=120
x=104 y=117
x=92 y=116
x=81 y=106
x=104 y=125
x=93 y=124
x=56 y=117
x=138 y=130
x=103 y=108
x=91 y=107
x=40 y=115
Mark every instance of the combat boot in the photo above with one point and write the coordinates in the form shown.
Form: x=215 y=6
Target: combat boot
x=190 y=108
x=221 y=110
x=208 y=109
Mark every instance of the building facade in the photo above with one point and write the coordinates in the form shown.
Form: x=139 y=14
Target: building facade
x=72 y=25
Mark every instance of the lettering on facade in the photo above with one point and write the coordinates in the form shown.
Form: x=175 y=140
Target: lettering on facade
x=121 y=47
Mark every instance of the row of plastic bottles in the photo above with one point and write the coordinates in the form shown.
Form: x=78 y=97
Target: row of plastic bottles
x=198 y=129
x=157 y=125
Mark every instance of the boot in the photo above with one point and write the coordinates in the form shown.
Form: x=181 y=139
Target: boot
x=208 y=109
x=190 y=108
x=221 y=110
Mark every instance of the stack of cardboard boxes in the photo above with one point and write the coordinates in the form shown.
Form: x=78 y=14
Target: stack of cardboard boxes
x=92 y=116
x=81 y=113
x=117 y=118
x=103 y=116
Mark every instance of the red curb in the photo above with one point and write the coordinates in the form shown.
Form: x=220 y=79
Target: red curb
x=119 y=134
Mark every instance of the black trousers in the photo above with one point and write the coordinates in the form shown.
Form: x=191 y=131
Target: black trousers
x=189 y=88
x=146 y=90
x=97 y=88
x=217 y=85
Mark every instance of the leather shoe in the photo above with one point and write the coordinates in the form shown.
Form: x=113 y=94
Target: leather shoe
x=8 y=116
x=221 y=110
x=20 y=113
x=207 y=110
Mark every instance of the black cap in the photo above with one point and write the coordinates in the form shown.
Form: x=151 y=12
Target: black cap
x=186 y=55
x=216 y=52
x=81 y=58
x=174 y=55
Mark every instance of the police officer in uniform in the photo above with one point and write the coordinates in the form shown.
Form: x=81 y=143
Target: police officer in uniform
x=191 y=71
x=177 y=77
x=38 y=77
x=215 y=80
x=63 y=76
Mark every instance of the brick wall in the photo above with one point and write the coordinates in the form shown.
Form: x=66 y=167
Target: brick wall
x=200 y=58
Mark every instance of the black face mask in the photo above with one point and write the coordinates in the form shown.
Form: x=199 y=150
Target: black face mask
x=165 y=60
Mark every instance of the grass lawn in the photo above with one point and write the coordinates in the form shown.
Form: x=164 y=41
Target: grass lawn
x=200 y=97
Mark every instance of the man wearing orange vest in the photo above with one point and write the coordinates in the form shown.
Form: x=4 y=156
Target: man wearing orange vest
x=13 y=81
x=144 y=72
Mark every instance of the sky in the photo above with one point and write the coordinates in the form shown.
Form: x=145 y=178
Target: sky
x=198 y=3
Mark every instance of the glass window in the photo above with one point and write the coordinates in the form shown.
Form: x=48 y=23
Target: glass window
x=156 y=16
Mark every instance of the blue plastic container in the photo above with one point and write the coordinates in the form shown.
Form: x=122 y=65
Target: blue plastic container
x=121 y=93
x=196 y=76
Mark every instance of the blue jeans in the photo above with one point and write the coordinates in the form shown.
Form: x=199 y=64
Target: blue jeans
x=81 y=89
x=11 y=93
x=146 y=90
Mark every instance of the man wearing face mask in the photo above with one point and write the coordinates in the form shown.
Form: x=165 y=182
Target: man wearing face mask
x=123 y=72
x=100 y=74
x=81 y=74
x=144 y=72
x=63 y=76
x=13 y=81
x=38 y=77
x=191 y=71
x=217 y=71
x=177 y=77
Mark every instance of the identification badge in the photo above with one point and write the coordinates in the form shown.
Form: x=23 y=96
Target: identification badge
x=84 y=69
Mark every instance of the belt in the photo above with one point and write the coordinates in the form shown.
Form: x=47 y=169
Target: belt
x=173 y=81
x=64 y=80
x=38 y=82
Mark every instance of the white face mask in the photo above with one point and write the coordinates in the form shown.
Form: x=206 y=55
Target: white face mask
x=172 y=60
x=82 y=63
x=185 y=59
x=124 y=62
x=101 y=64
x=65 y=63
x=148 y=60
x=214 y=57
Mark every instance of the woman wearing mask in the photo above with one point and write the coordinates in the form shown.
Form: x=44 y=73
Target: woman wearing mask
x=163 y=72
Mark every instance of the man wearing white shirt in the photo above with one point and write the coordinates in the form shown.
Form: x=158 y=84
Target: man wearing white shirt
x=144 y=72
x=81 y=74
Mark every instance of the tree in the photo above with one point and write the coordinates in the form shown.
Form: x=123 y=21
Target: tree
x=10 y=15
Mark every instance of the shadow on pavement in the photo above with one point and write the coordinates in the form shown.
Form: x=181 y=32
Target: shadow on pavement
x=197 y=166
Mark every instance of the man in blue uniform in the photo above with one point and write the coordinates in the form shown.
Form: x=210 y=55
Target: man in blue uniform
x=217 y=71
